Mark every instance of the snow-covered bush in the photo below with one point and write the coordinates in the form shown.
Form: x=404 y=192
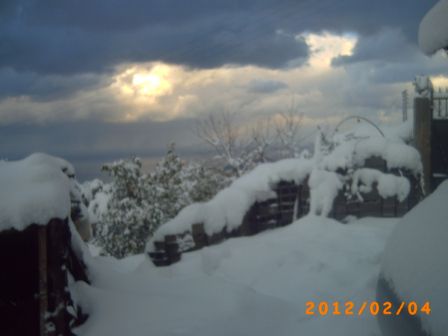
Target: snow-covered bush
x=130 y=213
x=96 y=195
x=134 y=204
x=203 y=183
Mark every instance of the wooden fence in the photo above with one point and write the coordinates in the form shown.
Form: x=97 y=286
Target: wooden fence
x=33 y=287
x=279 y=211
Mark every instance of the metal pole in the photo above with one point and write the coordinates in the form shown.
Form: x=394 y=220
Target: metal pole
x=405 y=105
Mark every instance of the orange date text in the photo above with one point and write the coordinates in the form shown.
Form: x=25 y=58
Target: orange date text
x=349 y=308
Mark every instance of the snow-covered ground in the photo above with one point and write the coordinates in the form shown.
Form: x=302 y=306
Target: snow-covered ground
x=245 y=286
x=421 y=237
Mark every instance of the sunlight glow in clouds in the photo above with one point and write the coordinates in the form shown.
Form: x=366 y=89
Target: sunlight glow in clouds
x=139 y=87
x=324 y=47
x=440 y=82
x=141 y=82
x=161 y=91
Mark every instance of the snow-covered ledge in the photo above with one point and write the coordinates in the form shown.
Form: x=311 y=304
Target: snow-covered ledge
x=228 y=207
x=34 y=191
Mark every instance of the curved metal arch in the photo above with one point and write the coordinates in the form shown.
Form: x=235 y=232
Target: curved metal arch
x=359 y=118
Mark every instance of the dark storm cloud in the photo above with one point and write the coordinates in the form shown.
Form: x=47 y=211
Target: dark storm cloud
x=387 y=45
x=388 y=57
x=45 y=87
x=77 y=36
x=389 y=73
x=42 y=41
x=67 y=37
x=266 y=86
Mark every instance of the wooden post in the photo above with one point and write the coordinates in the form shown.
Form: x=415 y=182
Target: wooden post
x=199 y=235
x=422 y=136
x=172 y=248
x=43 y=290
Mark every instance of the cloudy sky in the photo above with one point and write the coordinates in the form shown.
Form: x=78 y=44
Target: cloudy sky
x=101 y=79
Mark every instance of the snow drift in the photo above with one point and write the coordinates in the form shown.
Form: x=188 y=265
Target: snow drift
x=415 y=259
x=245 y=286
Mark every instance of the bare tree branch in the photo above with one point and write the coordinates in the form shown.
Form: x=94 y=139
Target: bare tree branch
x=288 y=131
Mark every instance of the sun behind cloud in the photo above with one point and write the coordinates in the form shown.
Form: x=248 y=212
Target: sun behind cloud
x=144 y=85
x=139 y=87
x=147 y=84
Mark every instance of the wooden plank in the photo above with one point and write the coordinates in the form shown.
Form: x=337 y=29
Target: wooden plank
x=172 y=248
x=199 y=235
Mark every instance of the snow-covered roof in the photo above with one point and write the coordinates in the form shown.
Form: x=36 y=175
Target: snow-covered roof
x=433 y=31
x=34 y=191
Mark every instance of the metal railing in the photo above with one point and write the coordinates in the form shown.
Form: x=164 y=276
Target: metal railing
x=440 y=104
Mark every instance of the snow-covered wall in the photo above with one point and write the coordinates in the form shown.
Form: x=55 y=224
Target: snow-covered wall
x=327 y=171
x=34 y=190
x=228 y=207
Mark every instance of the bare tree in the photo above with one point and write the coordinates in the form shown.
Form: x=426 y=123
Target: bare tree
x=221 y=132
x=288 y=130
x=242 y=148
x=262 y=138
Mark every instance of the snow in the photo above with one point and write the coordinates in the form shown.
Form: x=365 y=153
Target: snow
x=396 y=154
x=228 y=207
x=245 y=286
x=356 y=151
x=324 y=187
x=388 y=185
x=34 y=190
x=98 y=206
x=433 y=30
x=350 y=151
x=415 y=259
x=423 y=86
x=402 y=131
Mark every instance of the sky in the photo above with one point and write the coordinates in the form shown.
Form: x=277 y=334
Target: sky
x=93 y=81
